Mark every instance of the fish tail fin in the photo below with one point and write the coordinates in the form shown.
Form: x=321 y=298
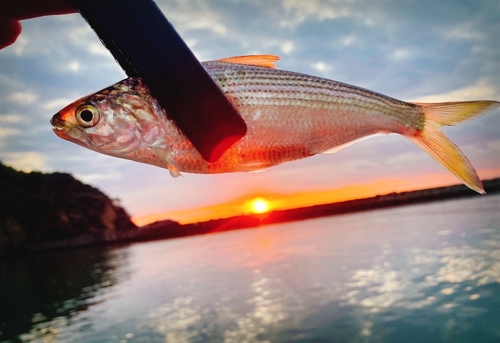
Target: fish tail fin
x=433 y=141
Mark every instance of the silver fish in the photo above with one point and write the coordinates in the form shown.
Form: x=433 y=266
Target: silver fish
x=289 y=116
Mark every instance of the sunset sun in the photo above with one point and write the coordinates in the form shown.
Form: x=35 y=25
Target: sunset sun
x=259 y=205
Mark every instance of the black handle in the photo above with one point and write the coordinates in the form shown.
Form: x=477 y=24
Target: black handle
x=146 y=45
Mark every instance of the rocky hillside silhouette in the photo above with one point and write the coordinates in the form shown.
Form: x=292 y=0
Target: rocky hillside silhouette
x=39 y=207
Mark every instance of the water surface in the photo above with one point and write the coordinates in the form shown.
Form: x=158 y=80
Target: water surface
x=421 y=273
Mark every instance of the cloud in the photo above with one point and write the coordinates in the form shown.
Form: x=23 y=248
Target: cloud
x=193 y=15
x=98 y=49
x=20 y=45
x=57 y=104
x=23 y=98
x=81 y=34
x=74 y=66
x=320 y=66
x=25 y=161
x=401 y=54
x=298 y=11
x=93 y=177
x=481 y=90
x=349 y=40
x=465 y=31
x=287 y=47
x=10 y=118
x=6 y=131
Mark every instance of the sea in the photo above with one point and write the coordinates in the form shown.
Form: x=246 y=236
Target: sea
x=419 y=273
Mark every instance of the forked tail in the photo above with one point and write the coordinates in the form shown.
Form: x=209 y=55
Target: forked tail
x=432 y=139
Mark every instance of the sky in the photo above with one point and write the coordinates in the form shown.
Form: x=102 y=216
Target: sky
x=412 y=50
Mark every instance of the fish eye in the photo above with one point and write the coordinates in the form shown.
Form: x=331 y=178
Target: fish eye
x=87 y=115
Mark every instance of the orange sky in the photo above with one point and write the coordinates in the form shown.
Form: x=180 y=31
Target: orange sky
x=276 y=201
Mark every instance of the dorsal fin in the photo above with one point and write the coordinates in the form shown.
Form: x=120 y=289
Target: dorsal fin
x=266 y=61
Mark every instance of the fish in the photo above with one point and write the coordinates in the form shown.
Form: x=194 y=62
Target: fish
x=289 y=116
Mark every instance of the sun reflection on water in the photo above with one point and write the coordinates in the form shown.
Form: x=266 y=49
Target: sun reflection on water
x=317 y=279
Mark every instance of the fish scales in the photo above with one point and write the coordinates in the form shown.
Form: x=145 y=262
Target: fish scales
x=310 y=123
x=270 y=87
x=289 y=116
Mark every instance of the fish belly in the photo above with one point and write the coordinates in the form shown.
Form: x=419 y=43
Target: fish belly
x=280 y=134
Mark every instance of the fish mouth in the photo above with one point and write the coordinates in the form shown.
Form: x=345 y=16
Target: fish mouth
x=68 y=131
x=57 y=123
x=61 y=128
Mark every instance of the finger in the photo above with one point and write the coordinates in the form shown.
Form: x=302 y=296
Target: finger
x=25 y=9
x=9 y=31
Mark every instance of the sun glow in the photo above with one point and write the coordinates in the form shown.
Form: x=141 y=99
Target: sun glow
x=264 y=203
x=259 y=205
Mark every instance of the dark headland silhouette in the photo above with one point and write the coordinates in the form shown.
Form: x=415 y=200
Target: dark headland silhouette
x=42 y=212
x=37 y=208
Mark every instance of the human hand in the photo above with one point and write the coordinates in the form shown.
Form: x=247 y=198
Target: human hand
x=12 y=11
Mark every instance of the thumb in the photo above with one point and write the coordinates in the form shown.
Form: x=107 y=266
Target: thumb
x=9 y=31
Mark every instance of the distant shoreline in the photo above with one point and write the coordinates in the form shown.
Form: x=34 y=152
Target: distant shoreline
x=167 y=229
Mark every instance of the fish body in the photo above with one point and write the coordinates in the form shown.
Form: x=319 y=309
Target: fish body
x=289 y=116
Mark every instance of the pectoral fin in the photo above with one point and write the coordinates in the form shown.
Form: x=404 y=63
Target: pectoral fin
x=170 y=163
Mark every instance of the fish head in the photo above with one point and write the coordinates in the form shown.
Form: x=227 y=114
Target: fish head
x=116 y=121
